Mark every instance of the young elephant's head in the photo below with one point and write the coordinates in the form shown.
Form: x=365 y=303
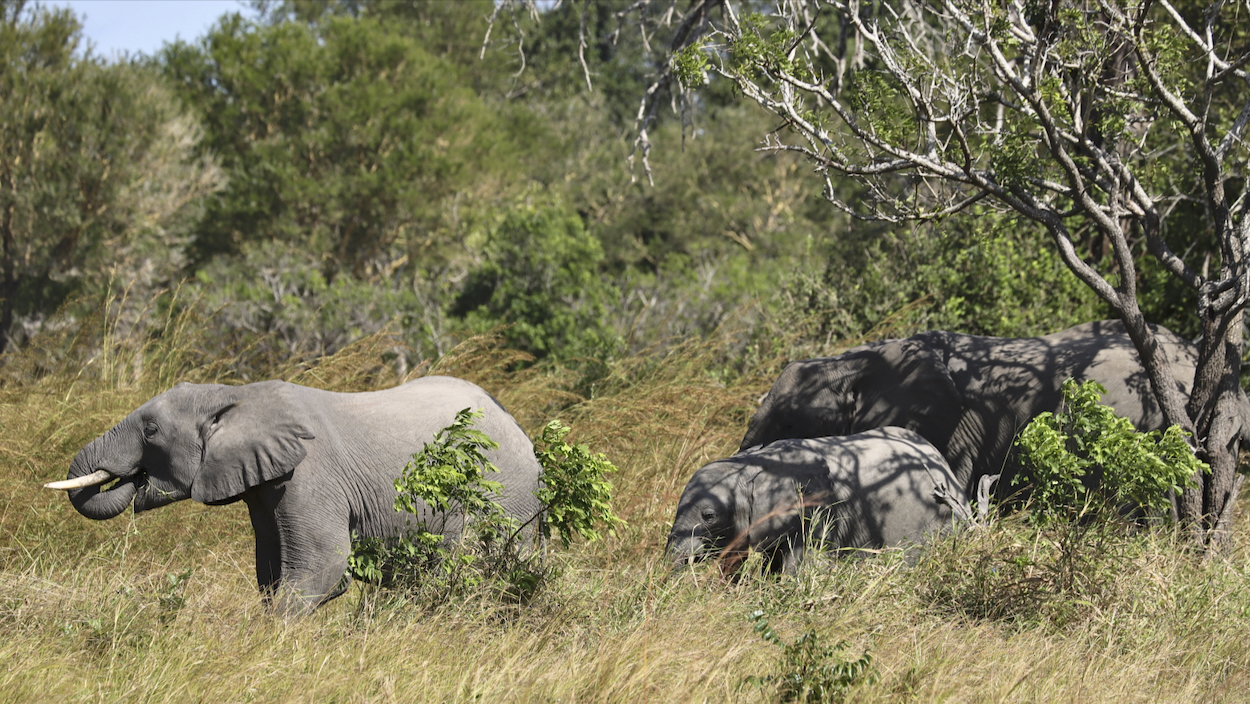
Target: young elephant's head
x=707 y=517
x=756 y=500
x=208 y=442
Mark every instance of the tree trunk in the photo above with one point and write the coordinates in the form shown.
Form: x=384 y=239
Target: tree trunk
x=1215 y=406
x=8 y=282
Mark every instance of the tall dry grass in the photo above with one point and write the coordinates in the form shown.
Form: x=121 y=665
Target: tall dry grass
x=163 y=607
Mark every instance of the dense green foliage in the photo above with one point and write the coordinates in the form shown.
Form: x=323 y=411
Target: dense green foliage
x=992 y=275
x=450 y=476
x=96 y=177
x=376 y=174
x=540 y=276
x=1084 y=459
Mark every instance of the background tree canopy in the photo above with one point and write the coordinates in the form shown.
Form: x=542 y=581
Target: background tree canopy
x=338 y=168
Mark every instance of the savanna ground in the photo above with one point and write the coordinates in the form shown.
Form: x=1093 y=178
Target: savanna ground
x=163 y=606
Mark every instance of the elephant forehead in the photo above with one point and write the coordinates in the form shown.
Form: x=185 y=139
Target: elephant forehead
x=714 y=479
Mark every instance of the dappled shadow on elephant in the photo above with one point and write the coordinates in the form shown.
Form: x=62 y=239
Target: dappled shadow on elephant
x=314 y=467
x=880 y=488
x=967 y=395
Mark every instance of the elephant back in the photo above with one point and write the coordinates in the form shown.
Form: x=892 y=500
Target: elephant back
x=894 y=383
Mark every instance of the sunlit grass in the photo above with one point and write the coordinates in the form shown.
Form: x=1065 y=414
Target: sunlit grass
x=163 y=606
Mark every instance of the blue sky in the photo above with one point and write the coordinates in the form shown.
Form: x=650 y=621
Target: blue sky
x=143 y=26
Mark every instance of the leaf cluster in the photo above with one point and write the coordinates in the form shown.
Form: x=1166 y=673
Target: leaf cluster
x=1085 y=459
x=756 y=52
x=880 y=103
x=449 y=476
x=449 y=473
x=575 y=490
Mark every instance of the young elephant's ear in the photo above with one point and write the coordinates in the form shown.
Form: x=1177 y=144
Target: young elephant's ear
x=252 y=435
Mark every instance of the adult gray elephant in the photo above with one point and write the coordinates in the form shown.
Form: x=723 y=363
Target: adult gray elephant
x=882 y=487
x=312 y=466
x=969 y=396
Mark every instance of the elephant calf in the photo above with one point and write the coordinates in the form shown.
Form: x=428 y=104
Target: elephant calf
x=879 y=488
x=312 y=466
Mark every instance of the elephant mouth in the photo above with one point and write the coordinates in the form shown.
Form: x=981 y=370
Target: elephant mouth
x=103 y=494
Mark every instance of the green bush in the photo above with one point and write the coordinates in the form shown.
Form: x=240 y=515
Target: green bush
x=541 y=276
x=574 y=491
x=449 y=475
x=1084 y=459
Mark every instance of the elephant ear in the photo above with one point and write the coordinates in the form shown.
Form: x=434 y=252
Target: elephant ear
x=254 y=434
x=781 y=497
x=907 y=383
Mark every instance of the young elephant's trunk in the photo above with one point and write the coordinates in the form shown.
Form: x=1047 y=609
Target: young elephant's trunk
x=686 y=548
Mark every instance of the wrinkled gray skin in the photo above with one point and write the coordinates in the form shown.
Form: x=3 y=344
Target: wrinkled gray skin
x=871 y=490
x=312 y=466
x=969 y=396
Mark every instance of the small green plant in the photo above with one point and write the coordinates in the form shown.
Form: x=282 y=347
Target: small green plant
x=449 y=476
x=811 y=670
x=1084 y=459
x=171 y=599
x=575 y=490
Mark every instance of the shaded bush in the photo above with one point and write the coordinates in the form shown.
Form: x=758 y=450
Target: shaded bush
x=541 y=276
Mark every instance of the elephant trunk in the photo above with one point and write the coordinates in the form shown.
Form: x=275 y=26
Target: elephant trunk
x=685 y=548
x=109 y=455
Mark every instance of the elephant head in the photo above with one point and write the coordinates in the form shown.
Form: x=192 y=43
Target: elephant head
x=730 y=508
x=208 y=442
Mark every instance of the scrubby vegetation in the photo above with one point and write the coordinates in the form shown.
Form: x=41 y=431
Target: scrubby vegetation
x=344 y=195
x=164 y=606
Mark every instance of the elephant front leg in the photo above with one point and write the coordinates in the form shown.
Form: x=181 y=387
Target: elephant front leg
x=314 y=566
x=260 y=508
x=302 y=550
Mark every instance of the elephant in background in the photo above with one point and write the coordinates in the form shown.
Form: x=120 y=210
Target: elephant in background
x=879 y=488
x=312 y=466
x=969 y=396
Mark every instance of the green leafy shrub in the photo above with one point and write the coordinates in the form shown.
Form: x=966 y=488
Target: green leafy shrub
x=574 y=490
x=541 y=276
x=1085 y=459
x=812 y=671
x=449 y=475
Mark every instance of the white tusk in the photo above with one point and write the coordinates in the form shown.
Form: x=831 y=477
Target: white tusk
x=97 y=477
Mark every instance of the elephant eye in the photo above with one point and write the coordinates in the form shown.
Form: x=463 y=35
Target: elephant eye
x=217 y=416
x=149 y=430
